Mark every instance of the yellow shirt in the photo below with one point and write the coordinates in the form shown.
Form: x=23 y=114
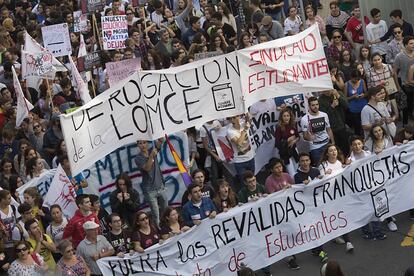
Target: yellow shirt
x=39 y=221
x=44 y=252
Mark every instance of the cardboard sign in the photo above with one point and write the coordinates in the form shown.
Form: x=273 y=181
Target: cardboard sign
x=114 y=31
x=91 y=6
x=89 y=62
x=80 y=22
x=118 y=71
x=56 y=39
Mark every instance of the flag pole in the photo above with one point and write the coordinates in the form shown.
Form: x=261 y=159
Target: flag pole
x=49 y=93
x=95 y=25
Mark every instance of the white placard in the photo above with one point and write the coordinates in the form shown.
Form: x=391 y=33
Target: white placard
x=57 y=40
x=114 y=31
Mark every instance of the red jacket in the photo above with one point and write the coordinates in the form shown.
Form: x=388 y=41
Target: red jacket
x=74 y=228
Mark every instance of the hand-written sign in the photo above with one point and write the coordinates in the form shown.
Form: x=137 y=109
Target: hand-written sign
x=120 y=70
x=91 y=6
x=114 y=31
x=80 y=22
x=284 y=223
x=290 y=65
x=36 y=64
x=164 y=101
x=89 y=62
x=105 y=171
x=150 y=105
x=56 y=39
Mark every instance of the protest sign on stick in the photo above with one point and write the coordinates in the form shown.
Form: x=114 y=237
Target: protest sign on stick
x=120 y=70
x=57 y=40
x=92 y=6
x=114 y=31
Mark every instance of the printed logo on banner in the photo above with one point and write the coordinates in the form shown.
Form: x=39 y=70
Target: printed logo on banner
x=380 y=200
x=223 y=96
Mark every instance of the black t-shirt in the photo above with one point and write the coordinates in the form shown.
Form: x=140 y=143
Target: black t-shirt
x=301 y=176
x=207 y=191
x=228 y=31
x=121 y=242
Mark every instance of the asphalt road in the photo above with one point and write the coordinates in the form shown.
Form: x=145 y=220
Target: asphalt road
x=369 y=258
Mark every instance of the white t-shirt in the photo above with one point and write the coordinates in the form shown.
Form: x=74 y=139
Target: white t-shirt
x=376 y=31
x=292 y=25
x=243 y=152
x=317 y=125
x=334 y=167
x=56 y=232
x=363 y=154
x=263 y=106
x=369 y=115
x=9 y=221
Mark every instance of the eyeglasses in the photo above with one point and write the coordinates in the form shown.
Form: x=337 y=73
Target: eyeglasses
x=19 y=250
x=70 y=250
x=397 y=32
x=339 y=36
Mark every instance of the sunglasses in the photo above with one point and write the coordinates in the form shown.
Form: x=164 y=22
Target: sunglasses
x=143 y=219
x=36 y=126
x=339 y=36
x=397 y=32
x=19 y=250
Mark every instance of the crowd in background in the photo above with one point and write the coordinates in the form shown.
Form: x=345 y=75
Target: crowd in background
x=369 y=110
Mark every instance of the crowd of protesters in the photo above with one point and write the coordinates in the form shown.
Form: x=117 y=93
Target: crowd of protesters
x=369 y=110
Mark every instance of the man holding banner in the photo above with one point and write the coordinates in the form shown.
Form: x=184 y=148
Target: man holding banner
x=153 y=183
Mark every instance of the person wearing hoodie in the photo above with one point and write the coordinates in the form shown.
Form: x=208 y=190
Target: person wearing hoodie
x=74 y=229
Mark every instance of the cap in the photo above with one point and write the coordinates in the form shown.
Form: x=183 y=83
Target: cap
x=89 y=225
x=267 y=20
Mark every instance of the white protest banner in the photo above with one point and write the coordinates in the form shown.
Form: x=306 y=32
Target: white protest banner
x=114 y=31
x=120 y=70
x=168 y=101
x=290 y=65
x=31 y=45
x=102 y=175
x=112 y=119
x=56 y=39
x=262 y=133
x=23 y=105
x=80 y=22
x=36 y=64
x=61 y=192
x=42 y=183
x=192 y=94
x=284 y=223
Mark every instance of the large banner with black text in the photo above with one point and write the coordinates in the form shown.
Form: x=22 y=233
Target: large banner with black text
x=284 y=223
x=149 y=104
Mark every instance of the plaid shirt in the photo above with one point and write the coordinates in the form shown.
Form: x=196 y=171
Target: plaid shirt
x=333 y=52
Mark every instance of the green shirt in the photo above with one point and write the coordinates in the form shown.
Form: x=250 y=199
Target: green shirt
x=245 y=194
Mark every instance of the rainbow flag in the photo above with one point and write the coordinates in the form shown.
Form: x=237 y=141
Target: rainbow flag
x=183 y=170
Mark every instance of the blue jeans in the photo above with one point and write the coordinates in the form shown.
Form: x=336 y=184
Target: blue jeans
x=157 y=201
x=241 y=168
x=276 y=16
x=316 y=155
x=376 y=229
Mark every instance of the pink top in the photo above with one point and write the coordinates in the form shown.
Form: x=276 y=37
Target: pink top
x=274 y=184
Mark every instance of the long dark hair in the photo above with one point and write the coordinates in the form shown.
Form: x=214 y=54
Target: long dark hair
x=164 y=218
x=232 y=199
x=124 y=176
x=136 y=220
